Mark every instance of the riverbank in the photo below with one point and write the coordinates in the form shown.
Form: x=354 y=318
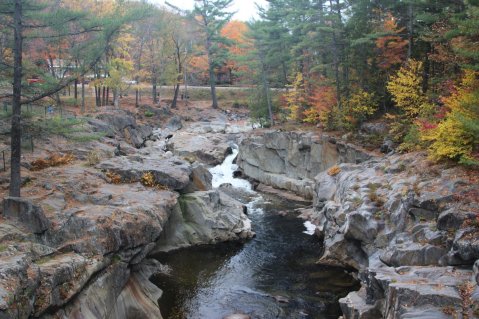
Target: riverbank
x=408 y=227
x=76 y=245
x=79 y=244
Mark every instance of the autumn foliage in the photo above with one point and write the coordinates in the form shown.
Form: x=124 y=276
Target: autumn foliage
x=406 y=89
x=391 y=47
x=457 y=136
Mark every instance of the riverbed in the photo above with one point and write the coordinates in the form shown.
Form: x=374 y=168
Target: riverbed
x=274 y=275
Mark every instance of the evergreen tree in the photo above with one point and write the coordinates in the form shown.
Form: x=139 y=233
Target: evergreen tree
x=212 y=15
x=33 y=20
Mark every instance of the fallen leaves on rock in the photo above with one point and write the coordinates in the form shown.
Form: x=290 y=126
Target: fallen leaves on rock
x=51 y=161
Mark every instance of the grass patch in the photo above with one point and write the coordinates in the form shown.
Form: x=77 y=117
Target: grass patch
x=73 y=129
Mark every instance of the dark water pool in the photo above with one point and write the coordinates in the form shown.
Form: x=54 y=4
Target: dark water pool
x=273 y=275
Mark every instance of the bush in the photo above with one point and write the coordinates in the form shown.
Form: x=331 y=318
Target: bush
x=149 y=113
x=457 y=136
x=360 y=106
x=406 y=90
x=93 y=158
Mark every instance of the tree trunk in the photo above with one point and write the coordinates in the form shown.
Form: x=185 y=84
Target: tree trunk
x=153 y=91
x=186 y=83
x=103 y=101
x=212 y=75
x=75 y=91
x=425 y=73
x=137 y=97
x=175 y=97
x=116 y=98
x=83 y=96
x=336 y=60
x=16 y=133
x=266 y=88
x=409 y=30
x=179 y=69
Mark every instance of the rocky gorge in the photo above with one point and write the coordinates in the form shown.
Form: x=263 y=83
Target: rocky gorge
x=79 y=243
x=407 y=229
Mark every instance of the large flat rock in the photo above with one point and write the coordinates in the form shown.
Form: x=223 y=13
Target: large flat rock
x=172 y=172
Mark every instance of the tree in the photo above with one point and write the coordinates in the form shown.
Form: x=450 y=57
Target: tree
x=46 y=20
x=406 y=89
x=391 y=47
x=296 y=98
x=457 y=136
x=211 y=17
x=236 y=33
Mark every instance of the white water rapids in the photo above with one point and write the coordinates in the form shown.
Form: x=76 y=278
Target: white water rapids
x=223 y=174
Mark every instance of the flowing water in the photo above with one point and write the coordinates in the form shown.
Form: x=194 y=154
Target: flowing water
x=273 y=275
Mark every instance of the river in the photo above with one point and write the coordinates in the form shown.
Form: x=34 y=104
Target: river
x=273 y=275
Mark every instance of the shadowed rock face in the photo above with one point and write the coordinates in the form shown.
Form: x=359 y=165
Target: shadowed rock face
x=205 y=217
x=290 y=160
x=124 y=125
x=393 y=227
x=26 y=213
x=392 y=219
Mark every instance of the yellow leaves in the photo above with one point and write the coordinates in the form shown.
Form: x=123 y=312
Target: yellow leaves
x=118 y=69
x=296 y=98
x=148 y=180
x=449 y=139
x=361 y=105
x=457 y=136
x=113 y=178
x=406 y=89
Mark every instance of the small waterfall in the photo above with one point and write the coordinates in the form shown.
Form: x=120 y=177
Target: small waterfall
x=223 y=173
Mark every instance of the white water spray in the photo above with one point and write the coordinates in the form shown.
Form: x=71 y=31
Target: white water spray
x=223 y=173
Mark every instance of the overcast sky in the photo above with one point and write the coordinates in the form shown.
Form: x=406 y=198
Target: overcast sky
x=245 y=9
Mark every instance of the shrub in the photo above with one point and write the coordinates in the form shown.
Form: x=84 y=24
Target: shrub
x=360 y=106
x=148 y=180
x=149 y=113
x=113 y=178
x=457 y=136
x=406 y=89
x=93 y=158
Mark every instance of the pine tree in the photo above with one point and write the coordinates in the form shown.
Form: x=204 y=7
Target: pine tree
x=37 y=20
x=211 y=17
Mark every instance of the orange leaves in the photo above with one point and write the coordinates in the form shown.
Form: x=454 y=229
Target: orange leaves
x=199 y=65
x=321 y=101
x=391 y=47
x=236 y=31
x=51 y=161
x=307 y=101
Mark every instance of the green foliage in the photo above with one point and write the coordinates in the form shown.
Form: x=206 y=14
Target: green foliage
x=149 y=113
x=71 y=128
x=258 y=105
